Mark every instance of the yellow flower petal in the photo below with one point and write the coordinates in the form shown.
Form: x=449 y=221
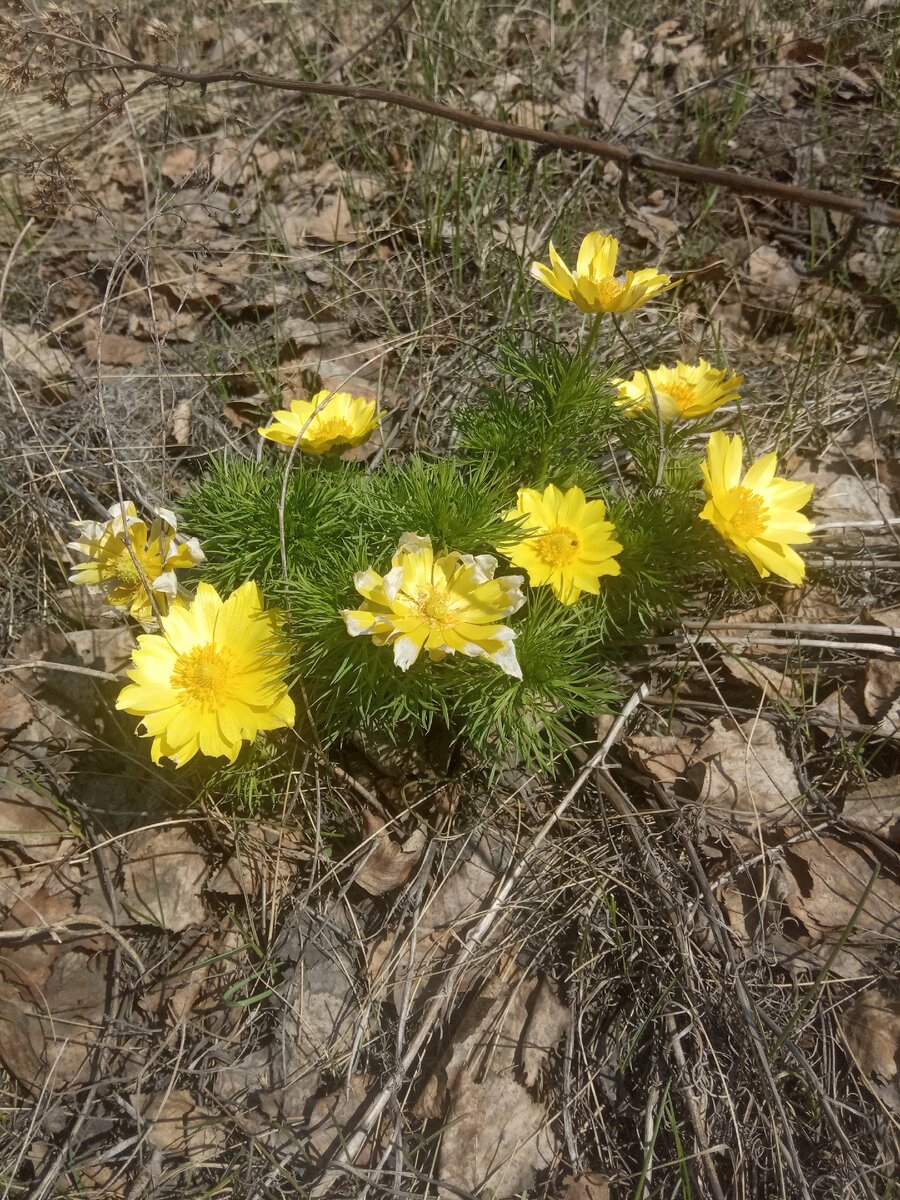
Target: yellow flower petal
x=452 y=605
x=758 y=515
x=594 y=287
x=328 y=421
x=213 y=679
x=566 y=543
x=132 y=564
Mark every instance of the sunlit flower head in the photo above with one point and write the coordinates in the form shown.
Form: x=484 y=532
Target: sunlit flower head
x=683 y=391
x=594 y=287
x=565 y=541
x=343 y=421
x=127 y=560
x=759 y=514
x=448 y=605
x=213 y=679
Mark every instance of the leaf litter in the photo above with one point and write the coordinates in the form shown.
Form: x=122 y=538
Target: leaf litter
x=176 y=903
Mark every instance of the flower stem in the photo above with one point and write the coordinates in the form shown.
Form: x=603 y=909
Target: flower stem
x=659 y=417
x=592 y=335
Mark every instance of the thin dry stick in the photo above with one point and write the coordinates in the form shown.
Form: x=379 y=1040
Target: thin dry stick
x=352 y=1145
x=772 y=644
x=885 y=631
x=27 y=664
x=747 y=185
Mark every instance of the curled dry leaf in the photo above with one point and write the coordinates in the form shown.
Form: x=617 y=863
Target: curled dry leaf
x=584 y=1187
x=881 y=694
x=773 y=282
x=871 y=1026
x=388 y=864
x=770 y=680
x=822 y=901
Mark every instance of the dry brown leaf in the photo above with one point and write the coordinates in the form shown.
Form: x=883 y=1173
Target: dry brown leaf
x=660 y=230
x=264 y=857
x=333 y=1114
x=53 y=997
x=180 y=422
x=388 y=864
x=104 y=649
x=439 y=926
x=667 y=759
x=197 y=978
x=333 y=222
x=113 y=349
x=740 y=774
x=509 y=1026
x=30 y=351
x=29 y=824
x=872 y=1028
x=163 y=876
x=584 y=1187
x=842 y=497
x=496 y=1137
x=819 y=604
x=769 y=680
x=178 y=1126
x=875 y=808
x=321 y=1011
x=773 y=282
x=825 y=881
x=750 y=781
x=881 y=693
x=178 y=162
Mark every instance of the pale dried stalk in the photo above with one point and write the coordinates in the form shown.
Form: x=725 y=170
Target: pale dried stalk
x=352 y=1145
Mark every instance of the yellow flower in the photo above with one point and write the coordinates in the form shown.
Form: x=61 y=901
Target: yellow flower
x=594 y=287
x=344 y=421
x=567 y=542
x=125 y=559
x=449 y=605
x=683 y=392
x=212 y=679
x=759 y=514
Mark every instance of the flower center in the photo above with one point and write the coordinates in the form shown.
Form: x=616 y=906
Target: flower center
x=558 y=546
x=433 y=605
x=205 y=674
x=682 y=393
x=607 y=289
x=750 y=517
x=337 y=429
x=124 y=568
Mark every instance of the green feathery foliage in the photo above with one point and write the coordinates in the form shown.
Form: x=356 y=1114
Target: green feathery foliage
x=546 y=420
x=552 y=419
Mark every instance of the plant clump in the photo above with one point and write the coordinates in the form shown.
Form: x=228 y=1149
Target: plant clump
x=614 y=519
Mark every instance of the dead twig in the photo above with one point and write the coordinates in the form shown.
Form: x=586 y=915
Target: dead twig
x=734 y=181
